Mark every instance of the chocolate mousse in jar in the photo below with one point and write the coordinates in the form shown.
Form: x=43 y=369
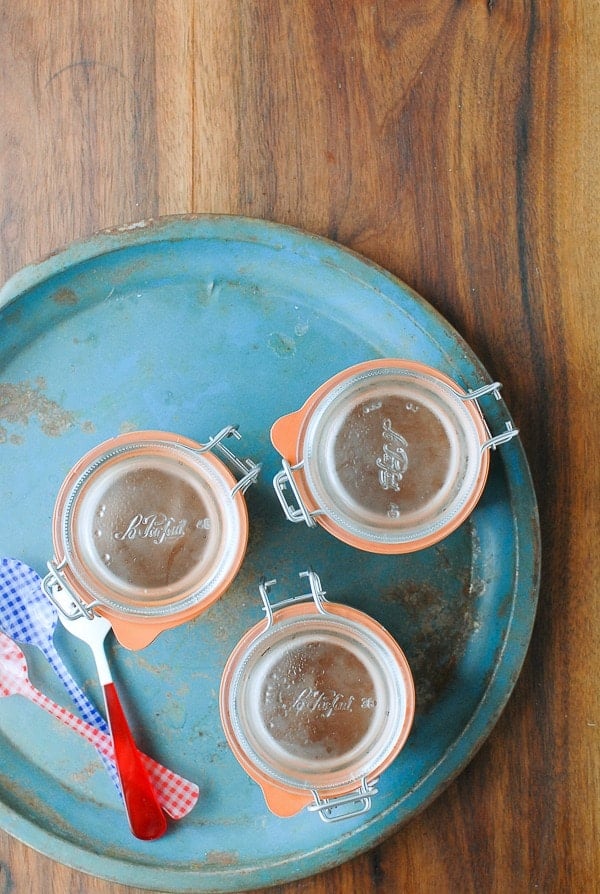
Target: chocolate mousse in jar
x=149 y=529
x=389 y=456
x=316 y=701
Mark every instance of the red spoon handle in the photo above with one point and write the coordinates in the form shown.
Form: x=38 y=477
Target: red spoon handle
x=145 y=816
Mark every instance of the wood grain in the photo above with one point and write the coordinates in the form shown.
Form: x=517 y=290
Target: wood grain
x=455 y=143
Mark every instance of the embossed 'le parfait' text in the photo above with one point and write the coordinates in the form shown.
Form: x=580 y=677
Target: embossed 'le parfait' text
x=393 y=462
x=156 y=527
x=315 y=701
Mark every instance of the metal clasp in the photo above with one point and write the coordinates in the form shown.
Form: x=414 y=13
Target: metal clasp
x=247 y=468
x=317 y=594
x=66 y=601
x=493 y=441
x=331 y=810
x=285 y=479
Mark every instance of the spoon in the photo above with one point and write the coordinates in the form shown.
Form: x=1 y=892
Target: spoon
x=30 y=617
x=145 y=816
x=14 y=680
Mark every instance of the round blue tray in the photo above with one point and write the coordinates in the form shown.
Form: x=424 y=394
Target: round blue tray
x=189 y=324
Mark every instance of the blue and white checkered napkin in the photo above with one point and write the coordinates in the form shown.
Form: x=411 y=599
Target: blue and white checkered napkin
x=23 y=614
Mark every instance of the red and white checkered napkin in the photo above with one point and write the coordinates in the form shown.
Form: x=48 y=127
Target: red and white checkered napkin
x=176 y=795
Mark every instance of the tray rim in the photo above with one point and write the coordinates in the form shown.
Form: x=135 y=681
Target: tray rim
x=173 y=228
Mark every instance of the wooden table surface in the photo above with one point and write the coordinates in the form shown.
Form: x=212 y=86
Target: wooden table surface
x=453 y=143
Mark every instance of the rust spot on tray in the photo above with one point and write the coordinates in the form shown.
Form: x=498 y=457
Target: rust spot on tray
x=221 y=858
x=65 y=297
x=441 y=631
x=22 y=401
x=281 y=344
x=13 y=317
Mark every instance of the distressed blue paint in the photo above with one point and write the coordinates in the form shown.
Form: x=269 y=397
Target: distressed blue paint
x=188 y=324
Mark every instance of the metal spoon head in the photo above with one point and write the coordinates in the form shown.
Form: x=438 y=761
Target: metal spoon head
x=25 y=613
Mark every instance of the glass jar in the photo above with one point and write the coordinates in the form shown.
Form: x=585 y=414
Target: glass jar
x=149 y=528
x=316 y=701
x=389 y=456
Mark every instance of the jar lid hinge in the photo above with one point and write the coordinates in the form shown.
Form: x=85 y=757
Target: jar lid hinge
x=317 y=594
x=343 y=807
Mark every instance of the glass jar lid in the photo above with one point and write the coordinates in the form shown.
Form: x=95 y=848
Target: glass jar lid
x=389 y=455
x=319 y=699
x=150 y=526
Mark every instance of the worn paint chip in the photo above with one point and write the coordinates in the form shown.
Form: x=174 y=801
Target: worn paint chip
x=65 y=297
x=281 y=344
x=221 y=858
x=22 y=401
